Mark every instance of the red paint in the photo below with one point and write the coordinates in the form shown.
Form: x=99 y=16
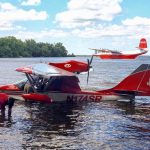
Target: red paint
x=119 y=56
x=145 y=84
x=143 y=43
x=138 y=82
x=25 y=70
x=3 y=100
x=9 y=87
x=37 y=97
x=72 y=66
x=130 y=83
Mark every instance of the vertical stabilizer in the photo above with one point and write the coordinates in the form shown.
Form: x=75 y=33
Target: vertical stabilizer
x=142 y=44
x=138 y=81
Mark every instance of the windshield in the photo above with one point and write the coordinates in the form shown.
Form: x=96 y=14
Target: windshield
x=20 y=84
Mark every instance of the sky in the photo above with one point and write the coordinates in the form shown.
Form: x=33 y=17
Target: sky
x=78 y=24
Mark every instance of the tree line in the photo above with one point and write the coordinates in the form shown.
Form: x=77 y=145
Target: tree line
x=13 y=47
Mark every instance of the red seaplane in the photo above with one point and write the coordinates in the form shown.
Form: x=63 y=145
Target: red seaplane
x=112 y=54
x=50 y=83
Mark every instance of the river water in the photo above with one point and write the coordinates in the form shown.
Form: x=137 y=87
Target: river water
x=86 y=126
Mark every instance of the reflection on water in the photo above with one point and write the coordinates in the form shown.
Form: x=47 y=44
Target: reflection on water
x=105 y=125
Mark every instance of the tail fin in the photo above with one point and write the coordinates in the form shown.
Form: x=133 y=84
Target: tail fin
x=137 y=82
x=142 y=44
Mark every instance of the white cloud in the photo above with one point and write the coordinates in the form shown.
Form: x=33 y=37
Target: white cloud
x=95 y=31
x=86 y=12
x=9 y=13
x=99 y=31
x=5 y=26
x=22 y=15
x=8 y=26
x=136 y=21
x=7 y=7
x=112 y=31
x=30 y=2
x=41 y=35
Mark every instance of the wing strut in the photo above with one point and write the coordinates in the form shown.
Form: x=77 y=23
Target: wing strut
x=31 y=82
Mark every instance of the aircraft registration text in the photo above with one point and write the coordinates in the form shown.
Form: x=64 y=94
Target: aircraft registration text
x=80 y=98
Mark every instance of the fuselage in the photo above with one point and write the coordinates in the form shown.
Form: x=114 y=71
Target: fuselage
x=120 y=55
x=58 y=96
x=82 y=96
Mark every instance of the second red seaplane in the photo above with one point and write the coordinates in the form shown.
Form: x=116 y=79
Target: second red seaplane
x=59 y=82
x=113 y=54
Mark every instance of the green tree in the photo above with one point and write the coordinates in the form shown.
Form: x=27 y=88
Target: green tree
x=12 y=47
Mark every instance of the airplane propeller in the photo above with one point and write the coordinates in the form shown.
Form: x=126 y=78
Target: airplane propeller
x=89 y=67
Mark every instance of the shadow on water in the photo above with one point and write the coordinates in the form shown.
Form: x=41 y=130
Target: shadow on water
x=5 y=121
x=49 y=123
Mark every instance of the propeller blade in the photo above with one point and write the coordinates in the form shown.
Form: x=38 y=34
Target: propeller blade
x=88 y=76
x=91 y=60
x=88 y=64
x=88 y=67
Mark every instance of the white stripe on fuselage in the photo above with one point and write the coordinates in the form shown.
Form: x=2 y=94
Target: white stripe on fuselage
x=58 y=97
x=18 y=97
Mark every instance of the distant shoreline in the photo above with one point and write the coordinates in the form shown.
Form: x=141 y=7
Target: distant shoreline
x=63 y=56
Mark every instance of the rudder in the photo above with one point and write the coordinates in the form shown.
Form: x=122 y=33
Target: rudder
x=143 y=43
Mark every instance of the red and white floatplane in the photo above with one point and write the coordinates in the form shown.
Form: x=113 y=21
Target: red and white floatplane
x=113 y=54
x=55 y=82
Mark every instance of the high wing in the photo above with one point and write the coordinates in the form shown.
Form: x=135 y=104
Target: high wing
x=105 y=50
x=44 y=70
x=73 y=66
